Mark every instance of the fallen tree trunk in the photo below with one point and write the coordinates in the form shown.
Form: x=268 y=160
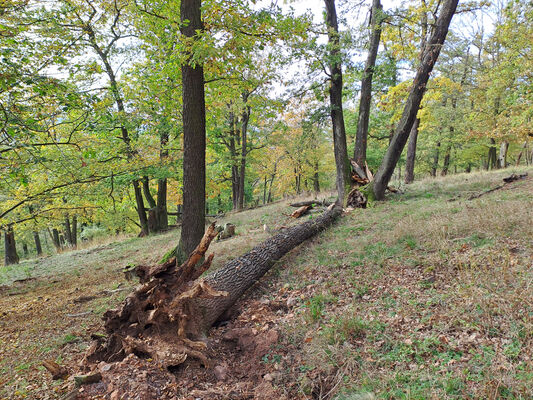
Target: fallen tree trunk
x=511 y=178
x=172 y=308
x=311 y=203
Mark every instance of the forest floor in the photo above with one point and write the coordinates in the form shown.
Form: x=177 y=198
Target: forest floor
x=426 y=295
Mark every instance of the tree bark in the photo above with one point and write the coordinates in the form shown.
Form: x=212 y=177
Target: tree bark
x=502 y=159
x=435 y=161
x=366 y=83
x=240 y=274
x=68 y=233
x=147 y=194
x=154 y=223
x=522 y=151
x=316 y=179
x=194 y=141
x=143 y=220
x=492 y=162
x=74 y=231
x=446 y=161
x=37 y=239
x=343 y=179
x=162 y=187
x=431 y=53
x=411 y=153
x=233 y=156
x=54 y=235
x=10 y=248
x=264 y=189
x=242 y=172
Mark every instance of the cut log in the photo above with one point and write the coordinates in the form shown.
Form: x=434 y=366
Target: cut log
x=301 y=211
x=173 y=307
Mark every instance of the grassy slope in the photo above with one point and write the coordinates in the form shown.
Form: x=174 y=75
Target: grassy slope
x=417 y=297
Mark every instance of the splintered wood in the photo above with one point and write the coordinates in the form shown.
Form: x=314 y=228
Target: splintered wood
x=301 y=211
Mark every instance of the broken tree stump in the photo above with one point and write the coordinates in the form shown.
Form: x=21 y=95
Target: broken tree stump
x=356 y=199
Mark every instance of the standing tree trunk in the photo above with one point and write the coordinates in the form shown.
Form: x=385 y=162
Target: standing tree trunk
x=519 y=158
x=492 y=161
x=264 y=190
x=431 y=53
x=343 y=180
x=74 y=231
x=502 y=159
x=37 y=239
x=361 y=135
x=153 y=223
x=55 y=238
x=446 y=161
x=413 y=135
x=147 y=194
x=162 y=187
x=435 y=161
x=316 y=179
x=103 y=54
x=411 y=153
x=140 y=209
x=244 y=132
x=10 y=248
x=231 y=145
x=192 y=72
x=68 y=233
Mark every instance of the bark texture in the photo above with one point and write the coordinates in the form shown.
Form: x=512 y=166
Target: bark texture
x=366 y=83
x=193 y=220
x=241 y=273
x=37 y=239
x=10 y=248
x=335 y=95
x=502 y=159
x=411 y=153
x=412 y=105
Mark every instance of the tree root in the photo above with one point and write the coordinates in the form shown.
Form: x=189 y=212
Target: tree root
x=158 y=320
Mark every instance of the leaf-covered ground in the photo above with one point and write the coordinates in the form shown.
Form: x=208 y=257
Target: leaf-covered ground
x=426 y=295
